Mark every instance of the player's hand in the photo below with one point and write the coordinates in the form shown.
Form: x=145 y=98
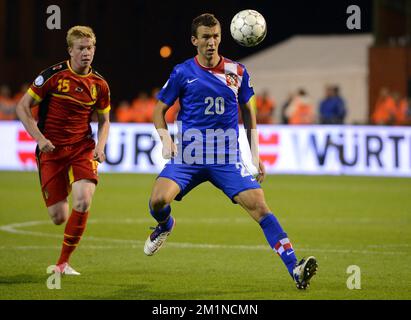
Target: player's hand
x=99 y=155
x=261 y=172
x=169 y=149
x=45 y=145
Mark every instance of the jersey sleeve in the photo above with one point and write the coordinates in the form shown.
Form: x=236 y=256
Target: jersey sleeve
x=171 y=90
x=41 y=86
x=246 y=90
x=103 y=102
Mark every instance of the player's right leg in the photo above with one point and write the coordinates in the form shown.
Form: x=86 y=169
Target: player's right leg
x=164 y=192
x=53 y=181
x=175 y=181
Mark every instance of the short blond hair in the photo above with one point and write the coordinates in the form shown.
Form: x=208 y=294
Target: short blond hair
x=78 y=32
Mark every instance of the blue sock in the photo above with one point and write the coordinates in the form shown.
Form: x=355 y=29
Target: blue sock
x=278 y=241
x=163 y=217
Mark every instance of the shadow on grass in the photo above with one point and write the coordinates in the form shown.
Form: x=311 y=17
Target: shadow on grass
x=21 y=279
x=143 y=292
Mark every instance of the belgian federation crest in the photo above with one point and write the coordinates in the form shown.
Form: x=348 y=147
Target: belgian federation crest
x=93 y=91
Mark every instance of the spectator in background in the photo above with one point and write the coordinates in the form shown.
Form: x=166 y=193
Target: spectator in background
x=332 y=108
x=23 y=89
x=139 y=107
x=284 y=107
x=407 y=110
x=7 y=104
x=265 y=109
x=151 y=103
x=385 y=110
x=402 y=116
x=124 y=112
x=300 y=110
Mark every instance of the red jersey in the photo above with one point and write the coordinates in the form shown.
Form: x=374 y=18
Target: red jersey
x=67 y=102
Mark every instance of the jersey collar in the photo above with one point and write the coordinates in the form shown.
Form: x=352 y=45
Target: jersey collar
x=217 y=68
x=79 y=75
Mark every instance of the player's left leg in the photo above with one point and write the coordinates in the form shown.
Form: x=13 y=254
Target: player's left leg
x=253 y=201
x=239 y=185
x=243 y=189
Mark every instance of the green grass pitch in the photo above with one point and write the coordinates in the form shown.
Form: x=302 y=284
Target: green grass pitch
x=216 y=250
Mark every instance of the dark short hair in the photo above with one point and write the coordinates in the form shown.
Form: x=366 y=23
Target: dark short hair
x=206 y=19
x=301 y=92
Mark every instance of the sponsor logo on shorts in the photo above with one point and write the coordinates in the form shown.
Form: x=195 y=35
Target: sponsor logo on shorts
x=94 y=165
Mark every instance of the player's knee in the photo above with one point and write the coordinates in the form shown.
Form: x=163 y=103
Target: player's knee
x=260 y=209
x=58 y=212
x=158 y=202
x=58 y=219
x=82 y=204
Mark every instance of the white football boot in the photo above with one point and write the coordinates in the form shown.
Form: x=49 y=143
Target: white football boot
x=304 y=271
x=66 y=269
x=157 y=238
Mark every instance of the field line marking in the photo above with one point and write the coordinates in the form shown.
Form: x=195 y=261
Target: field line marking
x=13 y=228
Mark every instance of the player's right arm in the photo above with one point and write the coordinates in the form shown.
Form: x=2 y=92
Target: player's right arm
x=23 y=111
x=169 y=147
x=166 y=98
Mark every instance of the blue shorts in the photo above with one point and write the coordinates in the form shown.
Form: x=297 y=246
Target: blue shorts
x=230 y=178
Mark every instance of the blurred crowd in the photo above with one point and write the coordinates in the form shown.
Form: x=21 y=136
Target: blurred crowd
x=391 y=109
x=8 y=101
x=298 y=109
x=141 y=109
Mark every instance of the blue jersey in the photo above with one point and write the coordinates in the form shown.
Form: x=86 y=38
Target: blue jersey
x=209 y=99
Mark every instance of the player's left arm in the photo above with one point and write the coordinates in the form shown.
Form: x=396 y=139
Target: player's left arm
x=248 y=113
x=102 y=134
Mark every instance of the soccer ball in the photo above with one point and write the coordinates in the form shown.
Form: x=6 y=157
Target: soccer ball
x=248 y=28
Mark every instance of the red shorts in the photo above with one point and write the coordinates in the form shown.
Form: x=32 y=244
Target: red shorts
x=65 y=165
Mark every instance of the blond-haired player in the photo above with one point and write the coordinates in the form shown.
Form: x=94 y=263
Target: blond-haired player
x=67 y=156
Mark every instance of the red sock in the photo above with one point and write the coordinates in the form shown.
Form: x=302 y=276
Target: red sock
x=72 y=234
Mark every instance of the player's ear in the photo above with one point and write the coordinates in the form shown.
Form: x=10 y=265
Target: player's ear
x=194 y=41
x=69 y=50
